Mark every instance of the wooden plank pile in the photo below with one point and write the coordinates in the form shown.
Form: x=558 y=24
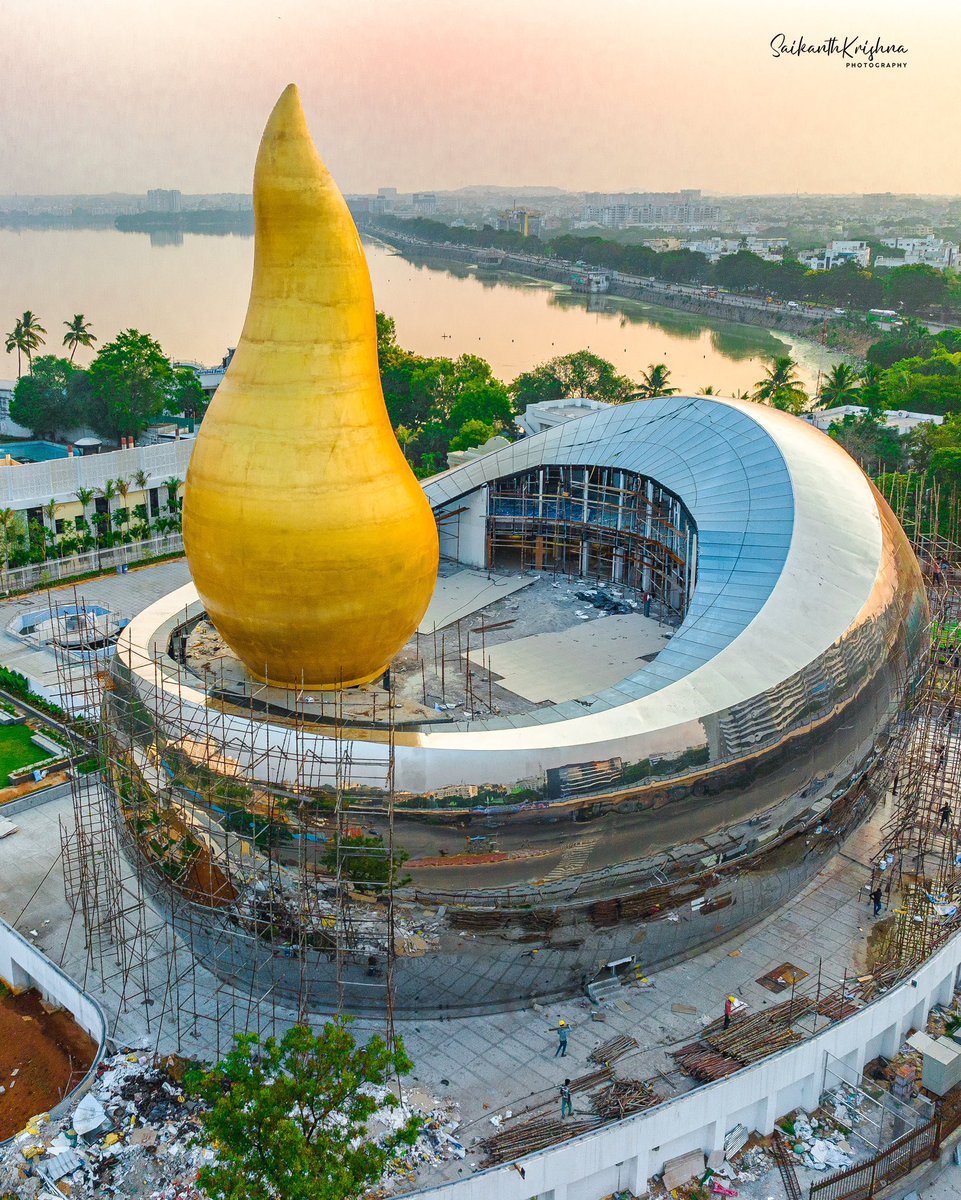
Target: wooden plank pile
x=533 y=1135
x=703 y=1063
x=608 y=1052
x=622 y=1097
x=747 y=1039
x=587 y=1083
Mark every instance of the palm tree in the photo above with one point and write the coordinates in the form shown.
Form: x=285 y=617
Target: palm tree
x=841 y=386
x=172 y=485
x=8 y=518
x=655 y=382
x=142 y=480
x=710 y=390
x=781 y=387
x=50 y=512
x=123 y=488
x=15 y=341
x=109 y=493
x=85 y=496
x=30 y=333
x=404 y=437
x=78 y=334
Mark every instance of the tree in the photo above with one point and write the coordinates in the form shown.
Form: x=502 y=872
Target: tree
x=85 y=496
x=173 y=486
x=472 y=433
x=50 y=512
x=579 y=374
x=655 y=382
x=781 y=387
x=132 y=381
x=289 y=1118
x=917 y=287
x=872 y=443
x=31 y=334
x=364 y=860
x=78 y=334
x=911 y=341
x=842 y=386
x=8 y=521
x=109 y=493
x=48 y=401
x=946 y=467
x=14 y=341
x=187 y=396
x=123 y=490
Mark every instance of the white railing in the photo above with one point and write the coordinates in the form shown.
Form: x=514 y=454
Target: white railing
x=55 y=570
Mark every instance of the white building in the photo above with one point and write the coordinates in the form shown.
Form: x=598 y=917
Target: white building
x=931 y=251
x=537 y=417
x=898 y=419
x=835 y=254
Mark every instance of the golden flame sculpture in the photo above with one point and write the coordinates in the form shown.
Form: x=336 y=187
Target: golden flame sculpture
x=310 y=541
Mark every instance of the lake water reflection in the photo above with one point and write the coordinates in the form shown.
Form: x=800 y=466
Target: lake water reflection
x=191 y=295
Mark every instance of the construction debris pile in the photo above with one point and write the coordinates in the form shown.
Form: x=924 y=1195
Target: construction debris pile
x=820 y=1141
x=745 y=1159
x=133 y=1136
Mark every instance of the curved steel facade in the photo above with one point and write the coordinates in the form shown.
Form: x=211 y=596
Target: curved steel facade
x=759 y=723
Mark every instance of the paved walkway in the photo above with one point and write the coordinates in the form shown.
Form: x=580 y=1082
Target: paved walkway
x=124 y=595
x=506 y=1061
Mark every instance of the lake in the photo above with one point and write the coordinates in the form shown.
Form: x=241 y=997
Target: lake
x=191 y=296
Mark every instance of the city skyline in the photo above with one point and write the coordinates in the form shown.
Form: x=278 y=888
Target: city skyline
x=424 y=95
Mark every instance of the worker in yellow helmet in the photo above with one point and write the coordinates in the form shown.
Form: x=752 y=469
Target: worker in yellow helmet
x=562 y=1031
x=729 y=1006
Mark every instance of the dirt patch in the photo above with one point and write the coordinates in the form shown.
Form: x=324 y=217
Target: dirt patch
x=49 y=1052
x=880 y=945
x=29 y=786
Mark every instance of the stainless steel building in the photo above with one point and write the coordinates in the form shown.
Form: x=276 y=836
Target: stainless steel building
x=625 y=825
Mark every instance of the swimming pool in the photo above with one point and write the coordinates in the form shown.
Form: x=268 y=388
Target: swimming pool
x=33 y=452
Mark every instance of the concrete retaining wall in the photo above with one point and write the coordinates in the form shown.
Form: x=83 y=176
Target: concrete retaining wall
x=23 y=966
x=628 y=1153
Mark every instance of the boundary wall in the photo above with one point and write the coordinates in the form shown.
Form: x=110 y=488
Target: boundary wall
x=626 y=1154
x=23 y=966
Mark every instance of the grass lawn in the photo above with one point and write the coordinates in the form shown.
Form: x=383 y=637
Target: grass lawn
x=17 y=750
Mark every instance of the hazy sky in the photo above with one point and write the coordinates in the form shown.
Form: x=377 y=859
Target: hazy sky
x=122 y=95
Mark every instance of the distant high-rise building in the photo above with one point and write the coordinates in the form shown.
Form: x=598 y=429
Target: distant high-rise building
x=164 y=200
x=651 y=209
x=520 y=220
x=389 y=196
x=425 y=204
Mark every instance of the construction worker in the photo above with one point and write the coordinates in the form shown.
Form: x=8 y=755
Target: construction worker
x=567 y=1108
x=878 y=898
x=729 y=1005
x=945 y=815
x=562 y=1032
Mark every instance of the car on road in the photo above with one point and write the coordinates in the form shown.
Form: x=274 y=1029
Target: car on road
x=840 y=311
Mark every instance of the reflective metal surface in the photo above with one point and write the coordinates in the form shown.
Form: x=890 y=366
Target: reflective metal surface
x=722 y=772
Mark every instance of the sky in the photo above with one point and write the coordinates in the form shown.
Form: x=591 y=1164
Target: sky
x=605 y=95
